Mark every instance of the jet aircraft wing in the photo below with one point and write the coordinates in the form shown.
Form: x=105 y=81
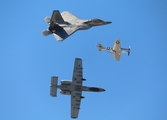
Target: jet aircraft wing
x=76 y=94
x=69 y=17
x=63 y=33
x=56 y=17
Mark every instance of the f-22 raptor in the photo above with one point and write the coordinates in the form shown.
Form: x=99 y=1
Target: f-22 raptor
x=65 y=24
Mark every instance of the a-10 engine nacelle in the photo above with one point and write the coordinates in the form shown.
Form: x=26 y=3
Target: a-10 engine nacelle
x=65 y=92
x=66 y=82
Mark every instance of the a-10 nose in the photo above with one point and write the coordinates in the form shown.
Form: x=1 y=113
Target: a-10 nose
x=103 y=90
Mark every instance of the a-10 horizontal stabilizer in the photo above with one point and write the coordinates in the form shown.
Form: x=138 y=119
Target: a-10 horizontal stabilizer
x=53 y=87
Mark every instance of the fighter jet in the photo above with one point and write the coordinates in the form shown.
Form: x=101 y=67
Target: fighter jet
x=116 y=50
x=65 y=24
x=73 y=88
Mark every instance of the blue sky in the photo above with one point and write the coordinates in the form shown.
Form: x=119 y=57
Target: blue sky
x=135 y=86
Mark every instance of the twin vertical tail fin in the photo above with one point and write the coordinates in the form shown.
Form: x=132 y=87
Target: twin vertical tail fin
x=53 y=87
x=56 y=17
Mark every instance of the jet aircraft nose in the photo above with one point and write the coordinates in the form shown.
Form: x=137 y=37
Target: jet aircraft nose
x=108 y=22
x=103 y=89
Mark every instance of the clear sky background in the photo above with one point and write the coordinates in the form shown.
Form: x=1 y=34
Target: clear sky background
x=136 y=86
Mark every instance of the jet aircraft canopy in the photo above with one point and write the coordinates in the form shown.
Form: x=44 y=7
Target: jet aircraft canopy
x=96 y=22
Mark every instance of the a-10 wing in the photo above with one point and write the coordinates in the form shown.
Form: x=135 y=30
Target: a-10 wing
x=77 y=93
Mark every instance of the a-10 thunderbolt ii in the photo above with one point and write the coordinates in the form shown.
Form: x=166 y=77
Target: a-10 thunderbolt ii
x=73 y=88
x=65 y=24
x=116 y=50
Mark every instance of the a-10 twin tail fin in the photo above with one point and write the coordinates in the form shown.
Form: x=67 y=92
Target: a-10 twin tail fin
x=53 y=87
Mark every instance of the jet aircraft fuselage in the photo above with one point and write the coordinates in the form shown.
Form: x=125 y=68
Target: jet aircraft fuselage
x=80 y=25
x=68 y=86
x=65 y=24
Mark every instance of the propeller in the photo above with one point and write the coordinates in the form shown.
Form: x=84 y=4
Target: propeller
x=129 y=51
